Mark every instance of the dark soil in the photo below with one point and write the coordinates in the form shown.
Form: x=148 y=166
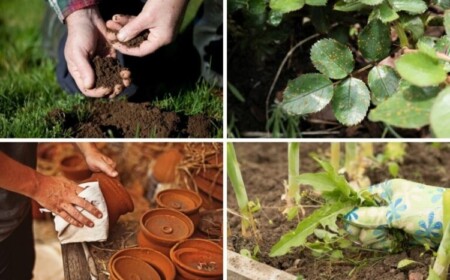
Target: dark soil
x=136 y=41
x=119 y=118
x=264 y=167
x=107 y=72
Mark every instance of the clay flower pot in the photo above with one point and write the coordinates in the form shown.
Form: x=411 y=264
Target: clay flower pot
x=211 y=223
x=210 y=188
x=198 y=259
x=158 y=261
x=162 y=228
x=126 y=267
x=118 y=200
x=213 y=175
x=74 y=167
x=185 y=201
x=48 y=151
x=164 y=170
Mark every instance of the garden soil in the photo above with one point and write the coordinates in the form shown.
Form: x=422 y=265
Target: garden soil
x=107 y=72
x=119 y=118
x=264 y=167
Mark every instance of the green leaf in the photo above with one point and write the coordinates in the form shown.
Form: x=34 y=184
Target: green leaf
x=413 y=25
x=351 y=101
x=409 y=6
x=286 y=6
x=383 y=82
x=405 y=262
x=421 y=69
x=408 y=108
x=447 y=22
x=344 y=6
x=426 y=45
x=440 y=114
x=332 y=58
x=444 y=4
x=321 y=181
x=374 y=41
x=316 y=2
x=275 y=17
x=371 y=2
x=384 y=12
x=307 y=94
x=327 y=214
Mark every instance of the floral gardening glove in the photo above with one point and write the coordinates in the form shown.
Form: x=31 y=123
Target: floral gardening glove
x=412 y=207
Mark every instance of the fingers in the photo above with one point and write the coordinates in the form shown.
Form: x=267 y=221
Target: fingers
x=76 y=215
x=122 y=19
x=126 y=77
x=98 y=92
x=87 y=206
x=368 y=217
x=80 y=68
x=144 y=48
x=113 y=27
x=131 y=28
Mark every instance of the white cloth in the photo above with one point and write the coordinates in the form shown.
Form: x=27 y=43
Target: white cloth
x=68 y=233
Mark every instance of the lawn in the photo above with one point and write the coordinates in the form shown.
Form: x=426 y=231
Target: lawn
x=29 y=90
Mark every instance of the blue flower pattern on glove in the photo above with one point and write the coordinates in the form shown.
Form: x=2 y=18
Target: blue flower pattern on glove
x=437 y=196
x=351 y=216
x=430 y=230
x=395 y=208
x=386 y=188
x=379 y=232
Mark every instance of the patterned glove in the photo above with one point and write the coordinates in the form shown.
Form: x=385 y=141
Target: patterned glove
x=412 y=207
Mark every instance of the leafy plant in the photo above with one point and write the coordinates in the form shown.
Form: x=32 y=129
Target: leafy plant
x=339 y=197
x=375 y=59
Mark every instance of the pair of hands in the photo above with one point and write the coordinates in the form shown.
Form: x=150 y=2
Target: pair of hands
x=88 y=36
x=60 y=195
x=414 y=208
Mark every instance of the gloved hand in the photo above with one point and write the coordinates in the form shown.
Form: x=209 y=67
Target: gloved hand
x=412 y=207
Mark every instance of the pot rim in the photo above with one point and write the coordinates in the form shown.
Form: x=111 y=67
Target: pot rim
x=115 y=260
x=177 y=261
x=193 y=196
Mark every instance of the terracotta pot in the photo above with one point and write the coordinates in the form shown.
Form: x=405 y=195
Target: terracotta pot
x=118 y=200
x=161 y=263
x=47 y=152
x=215 y=190
x=213 y=175
x=204 y=247
x=211 y=223
x=128 y=268
x=209 y=202
x=199 y=262
x=164 y=170
x=215 y=159
x=75 y=168
x=162 y=228
x=185 y=201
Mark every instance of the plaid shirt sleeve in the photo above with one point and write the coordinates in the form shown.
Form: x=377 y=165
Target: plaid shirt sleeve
x=63 y=8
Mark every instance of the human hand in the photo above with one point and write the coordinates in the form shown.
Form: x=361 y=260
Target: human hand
x=412 y=207
x=60 y=196
x=97 y=161
x=86 y=38
x=160 y=17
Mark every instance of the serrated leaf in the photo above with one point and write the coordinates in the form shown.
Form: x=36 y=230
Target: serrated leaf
x=351 y=101
x=420 y=69
x=440 y=114
x=383 y=82
x=307 y=94
x=326 y=214
x=371 y=2
x=332 y=58
x=286 y=6
x=316 y=2
x=408 y=108
x=374 y=41
x=344 y=6
x=409 y=6
x=383 y=12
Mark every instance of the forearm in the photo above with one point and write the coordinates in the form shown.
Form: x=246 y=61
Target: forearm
x=17 y=177
x=64 y=8
x=86 y=148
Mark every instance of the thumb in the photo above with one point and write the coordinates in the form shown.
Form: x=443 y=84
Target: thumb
x=107 y=168
x=132 y=29
x=85 y=70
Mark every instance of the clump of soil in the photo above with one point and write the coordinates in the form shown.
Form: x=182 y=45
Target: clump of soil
x=107 y=72
x=136 y=41
x=119 y=118
x=264 y=167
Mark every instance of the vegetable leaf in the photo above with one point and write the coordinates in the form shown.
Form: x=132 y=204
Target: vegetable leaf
x=408 y=108
x=286 y=6
x=409 y=6
x=306 y=94
x=332 y=58
x=374 y=41
x=344 y=6
x=316 y=2
x=384 y=12
x=383 y=82
x=371 y=2
x=421 y=69
x=440 y=114
x=351 y=101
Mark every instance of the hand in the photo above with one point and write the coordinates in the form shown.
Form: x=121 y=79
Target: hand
x=60 y=196
x=160 y=17
x=412 y=207
x=96 y=161
x=87 y=38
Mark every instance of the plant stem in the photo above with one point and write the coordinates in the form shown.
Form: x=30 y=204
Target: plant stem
x=234 y=173
x=404 y=43
x=440 y=267
x=335 y=155
x=350 y=158
x=367 y=149
x=293 y=192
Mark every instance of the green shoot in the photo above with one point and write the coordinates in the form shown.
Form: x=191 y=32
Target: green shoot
x=234 y=173
x=335 y=155
x=440 y=267
x=351 y=159
x=293 y=189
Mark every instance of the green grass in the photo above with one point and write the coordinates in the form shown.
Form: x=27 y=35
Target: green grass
x=28 y=86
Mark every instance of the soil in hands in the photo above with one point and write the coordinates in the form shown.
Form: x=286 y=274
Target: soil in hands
x=264 y=168
x=136 y=41
x=119 y=118
x=107 y=72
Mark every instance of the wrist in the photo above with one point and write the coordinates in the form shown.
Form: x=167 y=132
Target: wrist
x=89 y=13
